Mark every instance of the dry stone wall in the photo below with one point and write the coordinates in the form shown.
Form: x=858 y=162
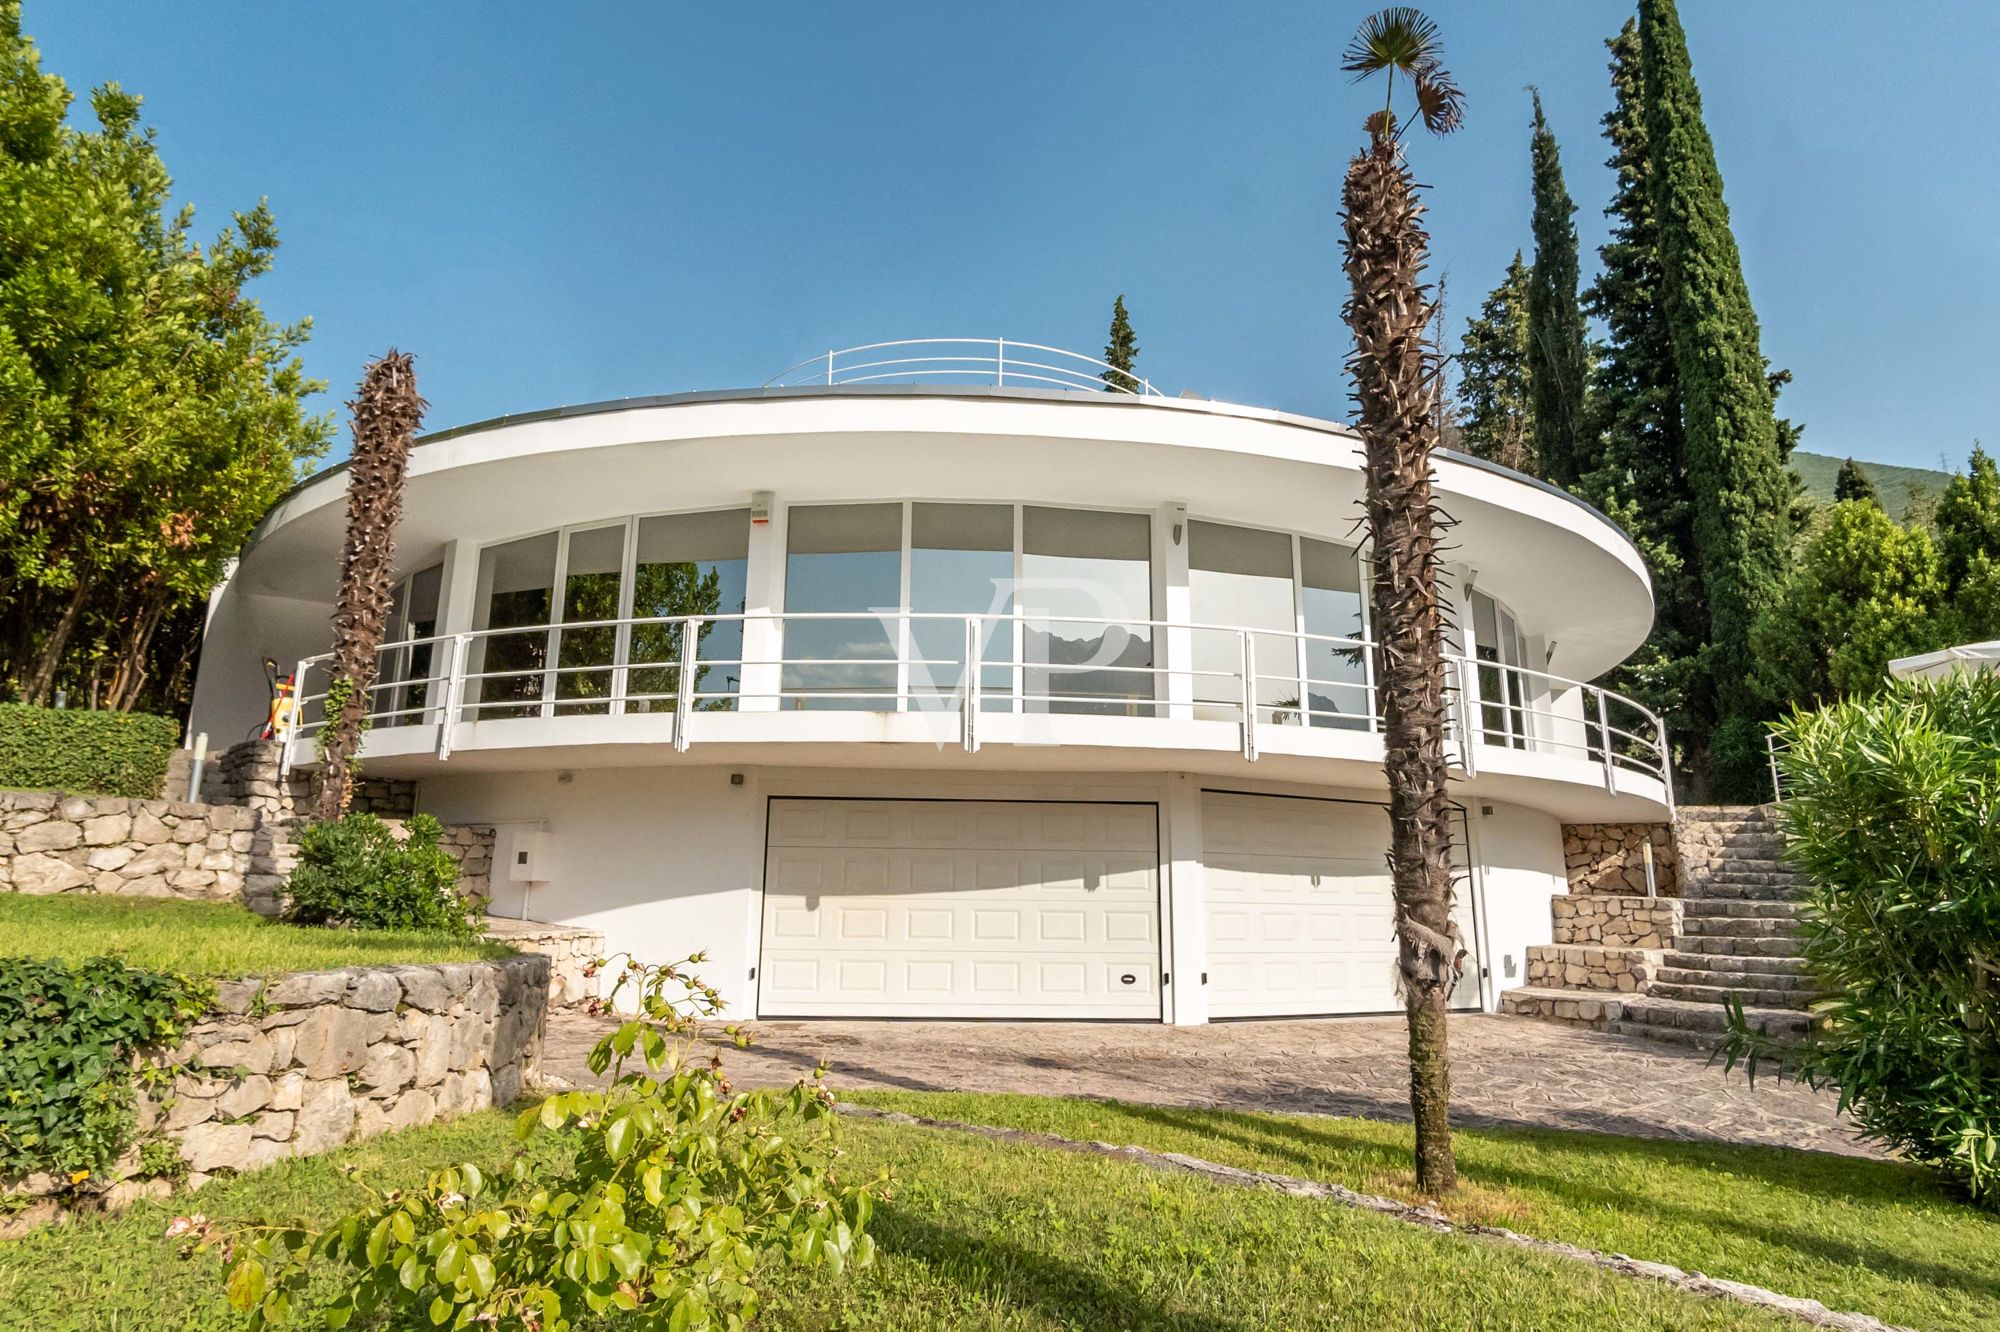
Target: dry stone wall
x=1617 y=922
x=56 y=843
x=1611 y=857
x=296 y=1065
x=569 y=949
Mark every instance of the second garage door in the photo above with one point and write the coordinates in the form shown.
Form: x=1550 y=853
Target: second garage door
x=1301 y=920
x=960 y=908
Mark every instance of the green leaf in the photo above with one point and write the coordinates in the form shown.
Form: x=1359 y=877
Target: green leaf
x=246 y=1285
x=440 y=1311
x=484 y=1276
x=621 y=1137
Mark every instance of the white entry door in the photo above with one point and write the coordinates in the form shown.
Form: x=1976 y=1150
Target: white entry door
x=960 y=908
x=1301 y=918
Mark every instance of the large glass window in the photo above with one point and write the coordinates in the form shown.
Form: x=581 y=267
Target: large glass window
x=1497 y=640
x=961 y=563
x=1242 y=577
x=412 y=615
x=516 y=588
x=1085 y=595
x=1332 y=598
x=842 y=558
x=593 y=583
x=688 y=564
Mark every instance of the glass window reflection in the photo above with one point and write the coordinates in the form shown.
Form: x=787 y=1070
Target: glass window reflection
x=1085 y=595
x=1338 y=683
x=1242 y=577
x=516 y=587
x=688 y=564
x=842 y=558
x=961 y=563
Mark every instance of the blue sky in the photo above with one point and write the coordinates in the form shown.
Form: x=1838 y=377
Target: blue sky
x=563 y=203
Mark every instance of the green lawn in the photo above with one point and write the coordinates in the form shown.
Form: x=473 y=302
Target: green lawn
x=979 y=1236
x=1869 y=1236
x=204 y=938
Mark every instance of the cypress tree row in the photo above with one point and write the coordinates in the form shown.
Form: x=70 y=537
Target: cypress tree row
x=1496 y=418
x=1558 y=360
x=1735 y=470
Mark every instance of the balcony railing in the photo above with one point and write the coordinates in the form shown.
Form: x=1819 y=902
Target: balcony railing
x=965 y=361
x=1026 y=665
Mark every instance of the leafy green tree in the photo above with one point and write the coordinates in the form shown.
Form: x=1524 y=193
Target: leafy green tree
x=1496 y=415
x=1851 y=483
x=1732 y=450
x=1121 y=352
x=1967 y=520
x=149 y=413
x=1864 y=591
x=1558 y=356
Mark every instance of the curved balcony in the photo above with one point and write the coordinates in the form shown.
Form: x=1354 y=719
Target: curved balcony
x=836 y=689
x=963 y=361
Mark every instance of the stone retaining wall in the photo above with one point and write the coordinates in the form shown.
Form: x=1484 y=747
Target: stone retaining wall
x=1616 y=922
x=296 y=1065
x=56 y=843
x=1591 y=967
x=248 y=774
x=569 y=949
x=1610 y=857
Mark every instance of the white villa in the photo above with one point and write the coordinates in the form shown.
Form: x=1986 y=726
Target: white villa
x=702 y=661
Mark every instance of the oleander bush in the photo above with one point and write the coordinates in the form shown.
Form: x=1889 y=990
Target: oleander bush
x=99 y=753
x=68 y=1037
x=355 y=872
x=678 y=1197
x=1893 y=810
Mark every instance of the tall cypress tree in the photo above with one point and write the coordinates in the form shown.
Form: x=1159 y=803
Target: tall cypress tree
x=1121 y=352
x=1852 y=483
x=1638 y=476
x=1558 y=361
x=1496 y=418
x=1735 y=471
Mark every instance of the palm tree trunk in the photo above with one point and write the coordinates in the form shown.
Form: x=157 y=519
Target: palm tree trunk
x=386 y=414
x=1395 y=373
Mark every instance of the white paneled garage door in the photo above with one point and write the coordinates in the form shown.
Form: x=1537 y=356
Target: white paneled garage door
x=960 y=908
x=1300 y=915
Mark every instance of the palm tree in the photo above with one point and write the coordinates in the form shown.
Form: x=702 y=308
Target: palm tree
x=387 y=412
x=1396 y=377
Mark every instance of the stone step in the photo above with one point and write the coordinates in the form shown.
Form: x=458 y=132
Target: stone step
x=1692 y=1040
x=1771 y=892
x=1734 y=946
x=1582 y=1008
x=1753 y=996
x=1797 y=982
x=1710 y=1018
x=1759 y=926
x=1685 y=960
x=1712 y=908
x=1742 y=862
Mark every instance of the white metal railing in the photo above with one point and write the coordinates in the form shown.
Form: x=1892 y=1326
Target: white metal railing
x=1024 y=664
x=994 y=361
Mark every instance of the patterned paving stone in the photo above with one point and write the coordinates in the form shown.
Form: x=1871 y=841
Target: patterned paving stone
x=1505 y=1071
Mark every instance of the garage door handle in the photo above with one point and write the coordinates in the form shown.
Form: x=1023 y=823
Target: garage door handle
x=1129 y=978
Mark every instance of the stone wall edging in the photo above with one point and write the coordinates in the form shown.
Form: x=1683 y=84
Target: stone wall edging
x=301 y=1063
x=1611 y=857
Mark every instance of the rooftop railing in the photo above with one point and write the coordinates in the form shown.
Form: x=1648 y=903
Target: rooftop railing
x=993 y=361
x=1027 y=665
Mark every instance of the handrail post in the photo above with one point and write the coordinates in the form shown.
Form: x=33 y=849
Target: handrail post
x=969 y=697
x=1249 y=643
x=1468 y=716
x=1666 y=761
x=829 y=366
x=1000 y=379
x=1604 y=738
x=1771 y=753
x=684 y=684
x=454 y=694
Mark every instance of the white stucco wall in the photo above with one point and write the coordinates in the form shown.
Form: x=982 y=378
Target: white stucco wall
x=1519 y=858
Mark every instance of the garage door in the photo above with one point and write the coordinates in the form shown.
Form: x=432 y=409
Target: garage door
x=954 y=908
x=1300 y=915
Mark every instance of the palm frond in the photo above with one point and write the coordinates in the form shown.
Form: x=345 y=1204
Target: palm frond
x=1440 y=102
x=1399 y=39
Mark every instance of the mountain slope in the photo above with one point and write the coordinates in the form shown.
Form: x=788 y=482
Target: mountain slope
x=1892 y=483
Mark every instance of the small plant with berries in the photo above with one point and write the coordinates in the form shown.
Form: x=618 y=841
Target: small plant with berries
x=677 y=1194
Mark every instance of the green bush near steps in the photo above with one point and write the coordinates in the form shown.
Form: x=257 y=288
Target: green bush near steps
x=97 y=753
x=356 y=872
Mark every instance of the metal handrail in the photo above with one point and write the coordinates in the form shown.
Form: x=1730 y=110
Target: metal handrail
x=1527 y=708
x=1074 y=370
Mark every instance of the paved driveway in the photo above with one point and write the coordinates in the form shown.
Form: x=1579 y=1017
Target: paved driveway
x=1505 y=1071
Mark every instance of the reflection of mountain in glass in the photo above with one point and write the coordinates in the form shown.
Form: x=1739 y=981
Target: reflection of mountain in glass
x=1103 y=653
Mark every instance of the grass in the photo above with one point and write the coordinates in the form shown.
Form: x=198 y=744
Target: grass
x=205 y=938
x=979 y=1237
x=1873 y=1236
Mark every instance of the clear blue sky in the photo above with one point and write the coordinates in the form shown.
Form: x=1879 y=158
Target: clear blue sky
x=563 y=203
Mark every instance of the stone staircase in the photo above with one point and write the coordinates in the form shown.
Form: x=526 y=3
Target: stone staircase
x=1663 y=967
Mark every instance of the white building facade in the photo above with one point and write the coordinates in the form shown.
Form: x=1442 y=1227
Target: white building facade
x=702 y=661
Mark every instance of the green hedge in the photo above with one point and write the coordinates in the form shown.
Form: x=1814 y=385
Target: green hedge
x=107 y=753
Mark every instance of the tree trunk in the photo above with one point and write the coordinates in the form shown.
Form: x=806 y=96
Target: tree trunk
x=1395 y=377
x=40 y=676
x=386 y=413
x=128 y=672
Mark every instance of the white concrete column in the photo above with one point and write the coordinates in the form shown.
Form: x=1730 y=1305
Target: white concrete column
x=1187 y=903
x=458 y=611
x=764 y=595
x=1170 y=565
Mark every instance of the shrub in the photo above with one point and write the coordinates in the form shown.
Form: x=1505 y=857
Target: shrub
x=67 y=1038
x=677 y=1191
x=107 y=753
x=356 y=872
x=1893 y=806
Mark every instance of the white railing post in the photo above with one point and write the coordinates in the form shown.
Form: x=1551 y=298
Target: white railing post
x=969 y=696
x=454 y=694
x=684 y=683
x=1604 y=738
x=1249 y=643
x=829 y=365
x=1468 y=716
x=1666 y=762
x=1000 y=377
